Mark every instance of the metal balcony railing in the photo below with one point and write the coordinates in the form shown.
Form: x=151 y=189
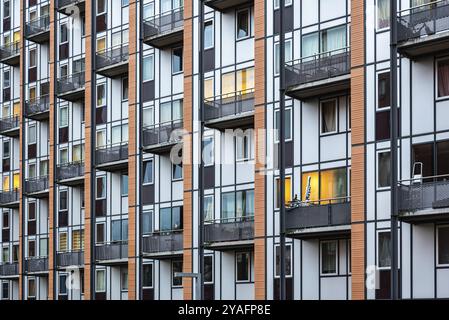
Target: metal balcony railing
x=8 y=197
x=9 y=124
x=229 y=229
x=164 y=23
x=36 y=264
x=231 y=104
x=316 y=214
x=320 y=66
x=36 y=185
x=9 y=269
x=163 y=241
x=423 y=20
x=114 y=153
x=72 y=258
x=71 y=170
x=37 y=26
x=111 y=251
x=415 y=195
x=37 y=106
x=163 y=133
x=10 y=50
x=112 y=56
x=71 y=82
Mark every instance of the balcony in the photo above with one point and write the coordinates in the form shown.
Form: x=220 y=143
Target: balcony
x=37 y=187
x=38 y=30
x=38 y=108
x=423 y=30
x=318 y=75
x=70 y=174
x=69 y=259
x=113 y=62
x=37 y=265
x=9 y=270
x=112 y=253
x=427 y=201
x=71 y=88
x=163 y=244
x=165 y=29
x=160 y=138
x=223 y=5
x=9 y=126
x=230 y=111
x=9 y=199
x=69 y=7
x=229 y=233
x=324 y=218
x=112 y=158
x=10 y=54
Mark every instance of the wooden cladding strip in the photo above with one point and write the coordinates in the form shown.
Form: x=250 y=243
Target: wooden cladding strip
x=358 y=261
x=357 y=33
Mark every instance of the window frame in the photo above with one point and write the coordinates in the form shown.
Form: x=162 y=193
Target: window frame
x=335 y=100
x=97 y=271
x=276 y=246
x=210 y=22
x=276 y=135
x=378 y=187
x=437 y=62
x=152 y=172
x=181 y=70
x=237 y=280
x=173 y=285
x=237 y=12
x=152 y=275
x=337 y=258
x=378 y=232
x=437 y=246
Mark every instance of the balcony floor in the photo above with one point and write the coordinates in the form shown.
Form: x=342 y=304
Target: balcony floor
x=425 y=216
x=72 y=96
x=222 y=5
x=320 y=88
x=72 y=182
x=10 y=205
x=39 y=116
x=243 y=121
x=37 y=195
x=15 y=132
x=163 y=255
x=121 y=165
x=13 y=60
x=114 y=70
x=41 y=37
x=160 y=149
x=342 y=231
x=114 y=262
x=167 y=39
x=427 y=45
x=230 y=245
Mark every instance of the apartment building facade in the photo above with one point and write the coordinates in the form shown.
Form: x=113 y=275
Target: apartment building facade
x=122 y=121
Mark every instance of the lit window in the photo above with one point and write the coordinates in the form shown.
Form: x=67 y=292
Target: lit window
x=288 y=191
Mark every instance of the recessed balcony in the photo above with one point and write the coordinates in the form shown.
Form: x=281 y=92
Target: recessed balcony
x=318 y=219
x=160 y=138
x=9 y=270
x=9 y=199
x=37 y=187
x=70 y=174
x=423 y=30
x=38 y=30
x=113 y=62
x=223 y=5
x=69 y=7
x=38 y=108
x=229 y=233
x=9 y=126
x=424 y=201
x=112 y=158
x=163 y=244
x=10 y=54
x=113 y=253
x=319 y=75
x=230 y=111
x=69 y=259
x=165 y=29
x=71 y=88
x=36 y=265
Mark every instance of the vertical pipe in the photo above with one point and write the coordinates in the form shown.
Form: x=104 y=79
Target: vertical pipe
x=22 y=146
x=394 y=150
x=282 y=148
x=139 y=156
x=200 y=281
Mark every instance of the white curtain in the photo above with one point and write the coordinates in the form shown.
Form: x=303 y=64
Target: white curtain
x=310 y=45
x=334 y=39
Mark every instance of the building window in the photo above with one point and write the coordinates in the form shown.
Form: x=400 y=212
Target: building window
x=32 y=134
x=5 y=290
x=176 y=267
x=31 y=211
x=124 y=280
x=383 y=169
x=209 y=207
x=6 y=80
x=326 y=184
x=243 y=266
x=32 y=58
x=288 y=260
x=43 y=247
x=243 y=24
x=328 y=116
x=119 y=230
x=63 y=36
x=208 y=34
x=77 y=240
x=383 y=90
x=62 y=284
x=6 y=149
x=237 y=205
x=101 y=6
x=125 y=89
x=242 y=144
x=208 y=151
x=324 y=41
x=443 y=245
x=5 y=255
x=177 y=172
x=148 y=68
x=100 y=281
x=329 y=257
x=124 y=185
x=384 y=249
x=5 y=223
x=31 y=248
x=63 y=156
x=100 y=233
x=147 y=277
x=170 y=219
x=31 y=288
x=101 y=95
x=147 y=222
x=277 y=55
x=288 y=191
x=6 y=9
x=148 y=172
x=277 y=3
x=63 y=242
x=209 y=269
x=383 y=14
x=148 y=116
x=177 y=60
x=63 y=205
x=443 y=78
x=101 y=188
x=288 y=124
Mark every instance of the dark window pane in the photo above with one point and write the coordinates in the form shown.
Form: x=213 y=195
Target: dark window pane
x=62 y=284
x=384 y=172
x=383 y=125
x=148 y=172
x=242 y=24
x=100 y=233
x=329 y=257
x=288 y=261
x=147 y=222
x=177 y=60
x=443 y=158
x=383 y=88
x=243 y=264
x=443 y=245
x=147 y=279
x=424 y=153
x=177 y=267
x=443 y=78
x=208 y=269
x=384 y=250
x=165 y=219
x=63 y=200
x=177 y=218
